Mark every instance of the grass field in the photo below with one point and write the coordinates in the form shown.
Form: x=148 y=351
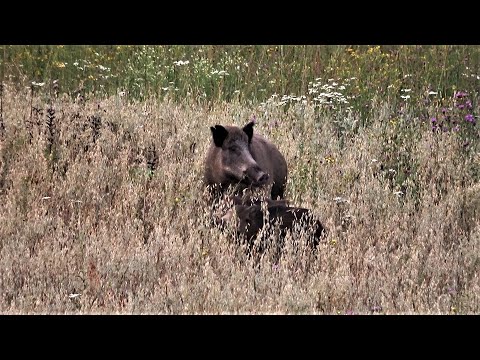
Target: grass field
x=102 y=208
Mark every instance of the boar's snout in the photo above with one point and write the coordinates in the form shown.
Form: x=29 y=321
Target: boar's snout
x=255 y=176
x=262 y=180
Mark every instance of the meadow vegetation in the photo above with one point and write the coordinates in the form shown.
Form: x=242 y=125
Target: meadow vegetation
x=102 y=206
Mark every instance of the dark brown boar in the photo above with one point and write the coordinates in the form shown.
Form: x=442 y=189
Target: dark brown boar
x=250 y=220
x=237 y=157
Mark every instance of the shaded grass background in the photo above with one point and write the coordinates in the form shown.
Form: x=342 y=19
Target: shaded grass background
x=247 y=73
x=101 y=193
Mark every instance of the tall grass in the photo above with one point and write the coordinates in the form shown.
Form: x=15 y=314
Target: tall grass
x=102 y=207
x=116 y=221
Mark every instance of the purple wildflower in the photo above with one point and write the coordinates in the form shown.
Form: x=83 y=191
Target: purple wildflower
x=460 y=106
x=460 y=94
x=444 y=110
x=434 y=120
x=456 y=128
x=470 y=118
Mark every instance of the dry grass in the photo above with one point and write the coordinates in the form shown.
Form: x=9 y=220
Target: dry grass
x=105 y=200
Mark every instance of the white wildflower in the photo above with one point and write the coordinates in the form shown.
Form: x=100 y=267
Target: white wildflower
x=181 y=62
x=339 y=200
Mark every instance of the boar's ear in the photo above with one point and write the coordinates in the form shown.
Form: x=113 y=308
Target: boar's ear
x=248 y=129
x=219 y=134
